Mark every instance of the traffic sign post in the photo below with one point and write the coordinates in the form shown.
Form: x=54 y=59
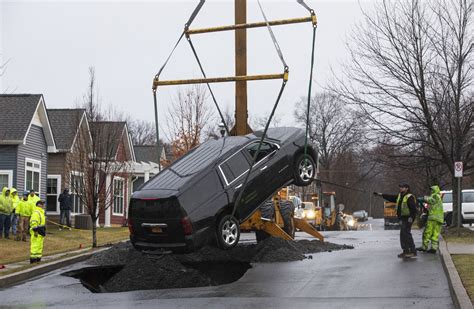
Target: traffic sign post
x=458 y=171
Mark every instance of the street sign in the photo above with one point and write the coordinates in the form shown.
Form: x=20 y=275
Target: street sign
x=458 y=169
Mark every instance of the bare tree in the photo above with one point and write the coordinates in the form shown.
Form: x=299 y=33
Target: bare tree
x=187 y=119
x=333 y=126
x=338 y=132
x=142 y=132
x=93 y=159
x=411 y=74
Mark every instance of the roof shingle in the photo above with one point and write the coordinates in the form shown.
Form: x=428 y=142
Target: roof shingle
x=16 y=112
x=64 y=124
x=147 y=153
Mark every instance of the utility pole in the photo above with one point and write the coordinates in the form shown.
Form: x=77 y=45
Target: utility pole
x=241 y=113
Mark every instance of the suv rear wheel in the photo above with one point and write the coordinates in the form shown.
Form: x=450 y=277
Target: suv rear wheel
x=228 y=232
x=305 y=170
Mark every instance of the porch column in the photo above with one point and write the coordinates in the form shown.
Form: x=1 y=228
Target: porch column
x=147 y=176
x=108 y=204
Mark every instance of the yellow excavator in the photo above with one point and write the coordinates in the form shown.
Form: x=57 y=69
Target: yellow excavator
x=280 y=225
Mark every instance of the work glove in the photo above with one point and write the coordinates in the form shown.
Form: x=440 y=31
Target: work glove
x=377 y=194
x=36 y=234
x=410 y=220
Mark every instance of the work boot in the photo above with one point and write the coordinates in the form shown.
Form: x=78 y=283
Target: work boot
x=421 y=249
x=32 y=261
x=401 y=255
x=432 y=251
x=409 y=254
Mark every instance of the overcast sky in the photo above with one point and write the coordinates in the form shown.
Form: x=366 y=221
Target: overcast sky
x=51 y=44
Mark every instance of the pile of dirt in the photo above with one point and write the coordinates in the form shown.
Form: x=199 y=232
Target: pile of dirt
x=144 y=271
x=155 y=272
x=119 y=254
x=270 y=250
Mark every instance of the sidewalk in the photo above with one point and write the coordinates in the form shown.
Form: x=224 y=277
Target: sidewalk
x=23 y=264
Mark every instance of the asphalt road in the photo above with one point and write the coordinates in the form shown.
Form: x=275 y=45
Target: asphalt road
x=369 y=276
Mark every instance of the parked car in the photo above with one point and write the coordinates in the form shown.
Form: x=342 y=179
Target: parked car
x=189 y=204
x=467 y=206
x=360 y=215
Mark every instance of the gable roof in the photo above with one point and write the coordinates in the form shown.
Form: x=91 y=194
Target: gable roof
x=65 y=123
x=17 y=113
x=147 y=153
x=107 y=136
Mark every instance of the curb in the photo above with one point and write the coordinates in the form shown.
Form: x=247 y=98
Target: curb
x=456 y=288
x=27 y=274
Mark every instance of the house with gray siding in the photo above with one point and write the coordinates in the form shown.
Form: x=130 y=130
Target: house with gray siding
x=26 y=139
x=71 y=133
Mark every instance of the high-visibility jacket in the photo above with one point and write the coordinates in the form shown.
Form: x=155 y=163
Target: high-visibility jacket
x=37 y=220
x=15 y=198
x=24 y=208
x=404 y=209
x=435 y=210
x=33 y=199
x=6 y=206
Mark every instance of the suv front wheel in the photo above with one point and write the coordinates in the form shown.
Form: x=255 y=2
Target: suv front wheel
x=305 y=170
x=228 y=232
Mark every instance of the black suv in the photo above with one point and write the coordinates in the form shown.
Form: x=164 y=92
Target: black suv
x=189 y=204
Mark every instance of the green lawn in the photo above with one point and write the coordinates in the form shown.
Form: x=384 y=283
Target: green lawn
x=465 y=266
x=451 y=235
x=57 y=241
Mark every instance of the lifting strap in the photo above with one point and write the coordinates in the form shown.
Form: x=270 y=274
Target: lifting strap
x=277 y=47
x=157 y=76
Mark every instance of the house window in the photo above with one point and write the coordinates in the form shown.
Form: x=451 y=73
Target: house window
x=52 y=192
x=6 y=178
x=118 y=196
x=77 y=190
x=33 y=175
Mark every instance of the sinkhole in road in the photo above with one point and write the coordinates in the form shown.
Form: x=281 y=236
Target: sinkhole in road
x=122 y=278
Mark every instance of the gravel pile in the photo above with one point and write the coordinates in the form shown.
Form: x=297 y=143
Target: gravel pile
x=163 y=272
x=144 y=272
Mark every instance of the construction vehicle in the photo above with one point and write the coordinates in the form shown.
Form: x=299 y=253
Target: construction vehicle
x=282 y=225
x=390 y=217
x=311 y=213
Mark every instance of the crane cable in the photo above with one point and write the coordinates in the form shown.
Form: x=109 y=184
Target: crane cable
x=157 y=76
x=277 y=47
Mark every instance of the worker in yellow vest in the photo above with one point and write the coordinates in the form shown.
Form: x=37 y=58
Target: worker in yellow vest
x=37 y=232
x=435 y=221
x=24 y=211
x=6 y=208
x=33 y=198
x=14 y=217
x=406 y=212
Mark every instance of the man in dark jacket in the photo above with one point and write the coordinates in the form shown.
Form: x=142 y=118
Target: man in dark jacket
x=65 y=205
x=406 y=212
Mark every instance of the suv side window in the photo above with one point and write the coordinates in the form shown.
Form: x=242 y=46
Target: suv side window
x=234 y=167
x=265 y=150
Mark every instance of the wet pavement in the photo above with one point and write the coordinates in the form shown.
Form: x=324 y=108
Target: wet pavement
x=369 y=276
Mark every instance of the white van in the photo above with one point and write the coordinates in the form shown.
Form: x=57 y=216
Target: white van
x=467 y=206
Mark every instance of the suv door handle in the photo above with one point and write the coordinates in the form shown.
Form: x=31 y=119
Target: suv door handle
x=264 y=168
x=239 y=186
